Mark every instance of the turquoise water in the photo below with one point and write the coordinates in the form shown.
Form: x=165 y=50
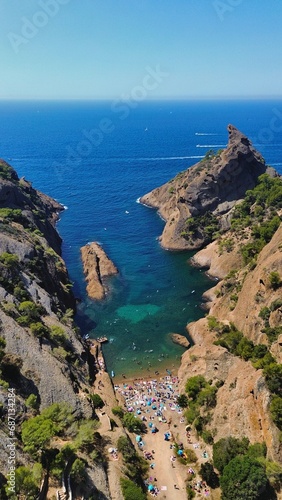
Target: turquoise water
x=156 y=292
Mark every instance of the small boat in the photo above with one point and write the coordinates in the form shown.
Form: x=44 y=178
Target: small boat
x=112 y=374
x=85 y=337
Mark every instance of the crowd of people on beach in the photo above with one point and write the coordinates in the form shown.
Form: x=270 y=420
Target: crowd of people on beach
x=143 y=396
x=153 y=401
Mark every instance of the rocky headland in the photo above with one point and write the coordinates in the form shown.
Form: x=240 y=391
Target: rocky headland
x=97 y=267
x=201 y=198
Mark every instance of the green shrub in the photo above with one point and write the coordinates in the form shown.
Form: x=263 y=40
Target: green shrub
x=243 y=478
x=39 y=330
x=274 y=280
x=131 y=491
x=190 y=493
x=78 y=471
x=257 y=450
x=58 y=334
x=133 y=424
x=86 y=436
x=194 y=385
x=265 y=313
x=226 y=449
x=182 y=401
x=97 y=401
x=192 y=413
x=28 y=481
x=32 y=401
x=272 y=333
x=276 y=411
x=207 y=437
x=276 y=304
x=207 y=396
x=9 y=260
x=273 y=377
x=118 y=411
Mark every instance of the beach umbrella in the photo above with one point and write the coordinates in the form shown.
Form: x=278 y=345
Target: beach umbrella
x=150 y=424
x=138 y=439
x=110 y=450
x=150 y=487
x=154 y=407
x=180 y=452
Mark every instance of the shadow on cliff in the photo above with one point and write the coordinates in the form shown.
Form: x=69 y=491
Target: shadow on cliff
x=11 y=371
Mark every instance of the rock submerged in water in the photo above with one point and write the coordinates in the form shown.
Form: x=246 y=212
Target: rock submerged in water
x=180 y=340
x=96 y=266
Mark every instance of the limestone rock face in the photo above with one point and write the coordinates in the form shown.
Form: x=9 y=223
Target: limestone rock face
x=180 y=340
x=213 y=185
x=33 y=272
x=243 y=401
x=97 y=267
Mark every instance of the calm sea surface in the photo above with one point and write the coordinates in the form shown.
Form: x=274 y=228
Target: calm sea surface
x=156 y=292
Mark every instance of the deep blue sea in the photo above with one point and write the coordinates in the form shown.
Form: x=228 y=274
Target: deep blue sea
x=156 y=292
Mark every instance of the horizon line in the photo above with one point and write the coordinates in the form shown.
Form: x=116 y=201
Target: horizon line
x=152 y=99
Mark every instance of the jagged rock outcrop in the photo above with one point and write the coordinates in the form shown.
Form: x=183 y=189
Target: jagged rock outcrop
x=97 y=267
x=214 y=185
x=27 y=227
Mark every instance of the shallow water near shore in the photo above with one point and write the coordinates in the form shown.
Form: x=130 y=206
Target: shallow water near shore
x=156 y=292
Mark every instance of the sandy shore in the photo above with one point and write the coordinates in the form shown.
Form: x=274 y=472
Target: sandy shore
x=154 y=400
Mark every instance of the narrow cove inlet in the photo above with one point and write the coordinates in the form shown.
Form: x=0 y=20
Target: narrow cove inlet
x=141 y=311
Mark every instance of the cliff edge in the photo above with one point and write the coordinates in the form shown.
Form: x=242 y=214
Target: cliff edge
x=198 y=201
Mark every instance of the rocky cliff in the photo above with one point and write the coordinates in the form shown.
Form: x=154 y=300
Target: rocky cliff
x=42 y=357
x=229 y=205
x=198 y=200
x=244 y=308
x=243 y=401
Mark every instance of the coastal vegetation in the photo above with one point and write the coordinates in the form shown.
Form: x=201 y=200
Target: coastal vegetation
x=201 y=396
x=245 y=471
x=135 y=470
x=258 y=216
x=53 y=439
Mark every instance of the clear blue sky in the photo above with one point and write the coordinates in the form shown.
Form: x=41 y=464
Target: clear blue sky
x=101 y=49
